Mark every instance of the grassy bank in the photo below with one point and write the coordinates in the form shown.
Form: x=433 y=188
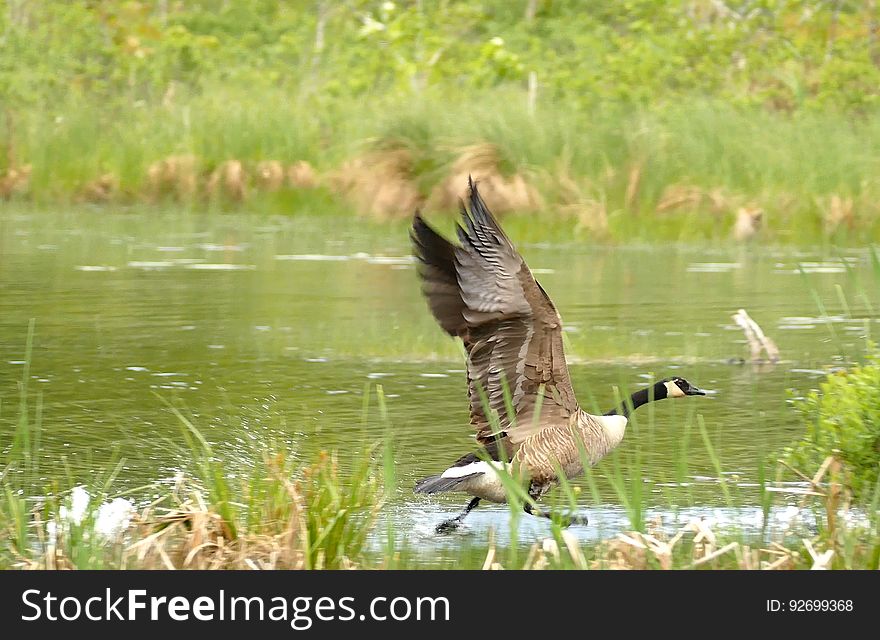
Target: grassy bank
x=686 y=171
x=313 y=516
x=684 y=120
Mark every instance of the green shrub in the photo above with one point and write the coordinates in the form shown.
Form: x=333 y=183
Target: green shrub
x=843 y=419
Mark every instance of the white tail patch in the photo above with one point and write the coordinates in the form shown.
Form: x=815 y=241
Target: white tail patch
x=473 y=467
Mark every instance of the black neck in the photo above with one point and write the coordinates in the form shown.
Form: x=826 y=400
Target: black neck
x=637 y=399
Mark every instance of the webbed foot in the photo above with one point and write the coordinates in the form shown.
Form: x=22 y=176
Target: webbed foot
x=448 y=526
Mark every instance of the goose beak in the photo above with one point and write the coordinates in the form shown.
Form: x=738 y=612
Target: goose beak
x=694 y=391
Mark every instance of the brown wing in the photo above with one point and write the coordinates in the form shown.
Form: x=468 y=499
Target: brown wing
x=436 y=268
x=484 y=293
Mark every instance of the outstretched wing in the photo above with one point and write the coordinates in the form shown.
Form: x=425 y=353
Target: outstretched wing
x=483 y=292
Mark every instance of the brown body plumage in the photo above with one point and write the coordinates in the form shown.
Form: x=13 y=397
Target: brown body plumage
x=484 y=293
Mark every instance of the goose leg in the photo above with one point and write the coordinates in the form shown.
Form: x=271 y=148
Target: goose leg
x=568 y=519
x=452 y=524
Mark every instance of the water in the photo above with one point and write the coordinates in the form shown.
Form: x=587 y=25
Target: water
x=272 y=329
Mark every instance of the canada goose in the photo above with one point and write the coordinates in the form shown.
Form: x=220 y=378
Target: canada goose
x=483 y=292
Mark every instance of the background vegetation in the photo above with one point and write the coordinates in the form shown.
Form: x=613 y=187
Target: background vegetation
x=688 y=110
x=639 y=119
x=782 y=54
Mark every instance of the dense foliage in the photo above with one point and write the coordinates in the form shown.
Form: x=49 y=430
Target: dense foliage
x=786 y=54
x=843 y=420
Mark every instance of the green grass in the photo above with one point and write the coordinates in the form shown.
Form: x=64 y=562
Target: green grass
x=776 y=108
x=789 y=165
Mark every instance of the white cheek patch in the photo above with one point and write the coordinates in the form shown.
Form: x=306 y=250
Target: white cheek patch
x=673 y=390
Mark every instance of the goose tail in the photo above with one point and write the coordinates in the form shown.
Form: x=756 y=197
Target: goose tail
x=438 y=484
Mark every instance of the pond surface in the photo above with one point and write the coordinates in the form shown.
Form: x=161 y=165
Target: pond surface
x=273 y=328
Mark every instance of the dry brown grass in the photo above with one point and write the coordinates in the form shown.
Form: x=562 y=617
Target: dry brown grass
x=180 y=178
x=838 y=212
x=16 y=182
x=719 y=200
x=99 y=190
x=689 y=197
x=696 y=545
x=579 y=199
x=189 y=533
x=182 y=530
x=379 y=183
x=502 y=193
x=693 y=546
x=678 y=197
x=833 y=494
x=867 y=204
x=269 y=175
x=592 y=216
x=301 y=175
x=748 y=223
x=175 y=177
x=228 y=181
x=633 y=184
x=192 y=536
x=188 y=536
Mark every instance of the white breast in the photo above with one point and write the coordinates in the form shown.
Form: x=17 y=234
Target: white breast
x=614 y=427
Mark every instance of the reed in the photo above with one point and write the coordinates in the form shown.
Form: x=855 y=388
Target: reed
x=271 y=512
x=557 y=162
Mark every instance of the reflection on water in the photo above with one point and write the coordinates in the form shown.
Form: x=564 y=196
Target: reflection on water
x=274 y=328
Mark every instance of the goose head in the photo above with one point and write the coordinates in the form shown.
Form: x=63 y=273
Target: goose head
x=676 y=388
x=667 y=388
